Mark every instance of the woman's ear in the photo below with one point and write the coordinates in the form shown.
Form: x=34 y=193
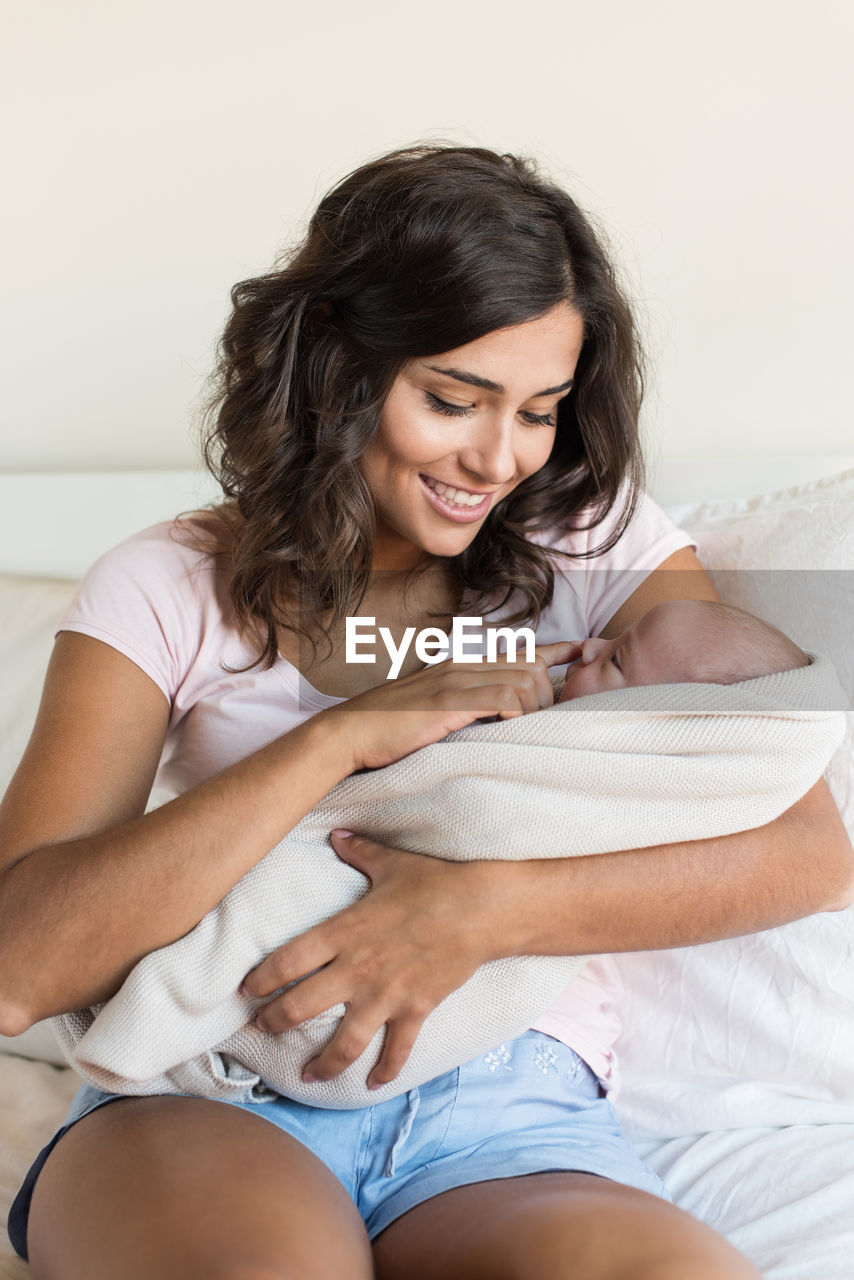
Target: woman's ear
x=317 y=317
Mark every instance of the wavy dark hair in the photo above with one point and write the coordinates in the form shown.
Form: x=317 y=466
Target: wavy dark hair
x=413 y=254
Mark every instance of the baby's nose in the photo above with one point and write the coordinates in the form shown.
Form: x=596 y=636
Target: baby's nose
x=591 y=649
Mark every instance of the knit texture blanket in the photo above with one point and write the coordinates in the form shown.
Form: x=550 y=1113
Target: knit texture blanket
x=619 y=770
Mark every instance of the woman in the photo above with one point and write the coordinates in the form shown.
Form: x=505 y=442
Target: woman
x=440 y=384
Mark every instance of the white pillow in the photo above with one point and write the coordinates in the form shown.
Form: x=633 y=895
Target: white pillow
x=30 y=609
x=37 y=1043
x=758 y=1030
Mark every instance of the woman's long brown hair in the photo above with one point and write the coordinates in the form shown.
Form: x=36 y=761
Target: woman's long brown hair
x=413 y=254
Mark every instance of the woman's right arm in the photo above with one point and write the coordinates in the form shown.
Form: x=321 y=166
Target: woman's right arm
x=89 y=883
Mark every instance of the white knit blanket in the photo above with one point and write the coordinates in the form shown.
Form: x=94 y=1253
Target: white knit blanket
x=619 y=770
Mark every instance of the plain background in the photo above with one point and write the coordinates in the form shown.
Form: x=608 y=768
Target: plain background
x=158 y=151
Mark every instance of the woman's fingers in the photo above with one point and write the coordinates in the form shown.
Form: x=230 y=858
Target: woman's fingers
x=511 y=690
x=358 y=1026
x=400 y=1037
x=559 y=652
x=346 y=1046
x=289 y=963
x=308 y=998
x=440 y=698
x=352 y=1039
x=362 y=853
x=528 y=681
x=316 y=947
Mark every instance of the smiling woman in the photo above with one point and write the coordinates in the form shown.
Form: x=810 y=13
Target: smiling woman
x=428 y=407
x=429 y=270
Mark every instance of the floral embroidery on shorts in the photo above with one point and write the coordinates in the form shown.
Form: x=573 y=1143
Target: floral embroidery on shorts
x=577 y=1069
x=498 y=1058
x=545 y=1058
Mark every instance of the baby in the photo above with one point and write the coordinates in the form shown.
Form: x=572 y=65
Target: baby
x=679 y=641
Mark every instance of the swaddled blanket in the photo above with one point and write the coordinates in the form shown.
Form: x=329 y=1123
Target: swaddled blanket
x=618 y=770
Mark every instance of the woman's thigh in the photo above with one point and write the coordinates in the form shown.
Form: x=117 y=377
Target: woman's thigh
x=176 y=1188
x=561 y=1225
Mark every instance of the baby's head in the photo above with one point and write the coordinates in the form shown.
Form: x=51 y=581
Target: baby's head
x=679 y=641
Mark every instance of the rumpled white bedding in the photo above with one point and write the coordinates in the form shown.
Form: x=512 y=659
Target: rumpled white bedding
x=624 y=769
x=724 y=1060
x=784 y=1196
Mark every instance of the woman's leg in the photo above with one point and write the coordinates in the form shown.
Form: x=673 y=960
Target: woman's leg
x=558 y=1225
x=175 y=1188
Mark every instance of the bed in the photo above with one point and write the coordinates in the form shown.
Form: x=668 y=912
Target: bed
x=737 y=1056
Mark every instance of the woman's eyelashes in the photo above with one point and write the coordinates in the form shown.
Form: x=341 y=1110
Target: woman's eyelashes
x=463 y=410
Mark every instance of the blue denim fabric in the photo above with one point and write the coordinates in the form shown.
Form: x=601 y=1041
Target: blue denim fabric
x=528 y=1106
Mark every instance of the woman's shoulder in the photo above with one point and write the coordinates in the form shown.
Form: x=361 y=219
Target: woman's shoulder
x=186 y=551
x=648 y=538
x=161 y=597
x=589 y=590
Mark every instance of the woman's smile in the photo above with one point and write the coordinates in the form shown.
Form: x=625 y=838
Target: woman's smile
x=461 y=505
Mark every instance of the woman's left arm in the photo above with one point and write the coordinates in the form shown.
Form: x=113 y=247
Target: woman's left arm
x=820 y=880
x=674 y=895
x=426 y=925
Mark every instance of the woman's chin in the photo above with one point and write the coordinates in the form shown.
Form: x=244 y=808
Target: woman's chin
x=407 y=552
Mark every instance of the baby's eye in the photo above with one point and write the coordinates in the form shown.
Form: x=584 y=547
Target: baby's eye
x=613 y=659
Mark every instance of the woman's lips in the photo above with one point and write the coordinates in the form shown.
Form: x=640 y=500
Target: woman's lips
x=459 y=514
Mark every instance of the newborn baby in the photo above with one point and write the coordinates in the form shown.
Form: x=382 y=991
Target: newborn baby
x=679 y=641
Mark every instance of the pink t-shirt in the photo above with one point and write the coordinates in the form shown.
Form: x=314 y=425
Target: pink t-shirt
x=165 y=606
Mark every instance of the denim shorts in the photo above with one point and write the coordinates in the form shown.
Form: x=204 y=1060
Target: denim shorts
x=530 y=1106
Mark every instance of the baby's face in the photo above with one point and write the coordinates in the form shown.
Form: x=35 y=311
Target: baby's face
x=657 y=649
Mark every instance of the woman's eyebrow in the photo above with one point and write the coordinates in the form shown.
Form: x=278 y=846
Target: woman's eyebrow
x=475 y=380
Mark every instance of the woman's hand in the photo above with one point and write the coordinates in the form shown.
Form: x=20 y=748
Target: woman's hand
x=390 y=721
x=394 y=955
x=391 y=957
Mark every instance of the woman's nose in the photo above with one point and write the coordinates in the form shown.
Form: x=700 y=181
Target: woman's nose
x=489 y=455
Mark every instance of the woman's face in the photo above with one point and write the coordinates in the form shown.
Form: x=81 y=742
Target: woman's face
x=459 y=431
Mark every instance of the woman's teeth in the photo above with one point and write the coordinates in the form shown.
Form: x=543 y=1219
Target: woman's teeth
x=456 y=497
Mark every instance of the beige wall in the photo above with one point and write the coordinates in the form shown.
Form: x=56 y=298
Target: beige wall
x=163 y=149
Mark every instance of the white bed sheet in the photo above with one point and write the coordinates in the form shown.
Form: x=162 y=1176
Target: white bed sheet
x=785 y=1197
